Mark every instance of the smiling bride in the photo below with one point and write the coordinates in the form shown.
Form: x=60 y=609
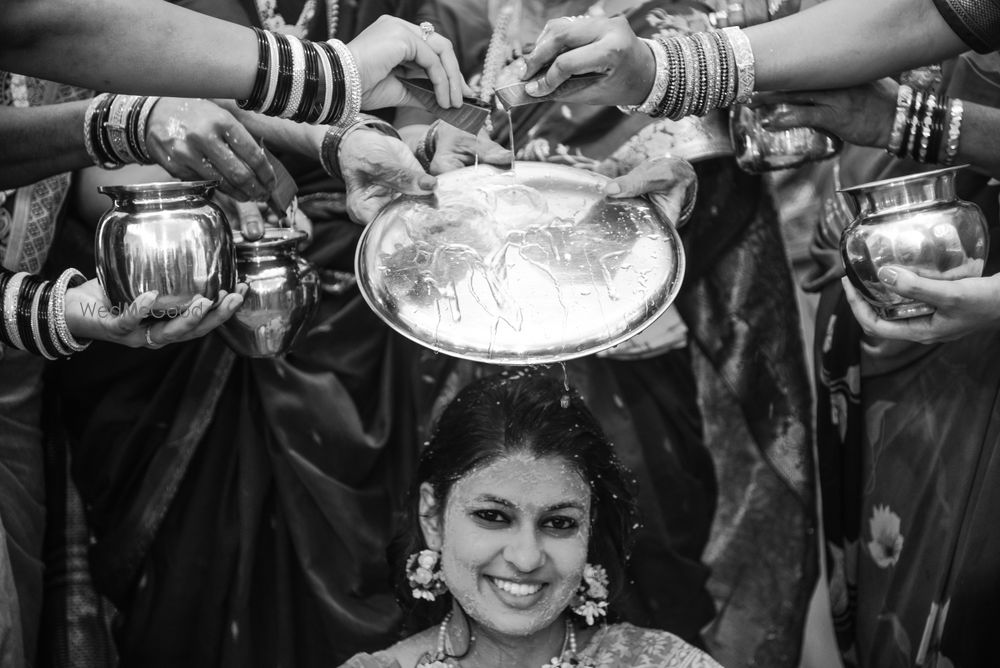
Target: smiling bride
x=520 y=522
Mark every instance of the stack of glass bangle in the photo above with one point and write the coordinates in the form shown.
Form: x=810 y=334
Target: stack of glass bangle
x=312 y=82
x=927 y=127
x=114 y=129
x=698 y=73
x=34 y=313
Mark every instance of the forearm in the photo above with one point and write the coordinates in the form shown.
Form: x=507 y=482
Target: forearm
x=134 y=46
x=845 y=42
x=37 y=142
x=278 y=133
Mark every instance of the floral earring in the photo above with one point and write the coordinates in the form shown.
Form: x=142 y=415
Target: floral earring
x=591 y=598
x=423 y=571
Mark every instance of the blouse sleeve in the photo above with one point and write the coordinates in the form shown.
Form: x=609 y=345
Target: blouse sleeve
x=976 y=22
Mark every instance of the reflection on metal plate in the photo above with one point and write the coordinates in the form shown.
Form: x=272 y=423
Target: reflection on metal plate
x=527 y=266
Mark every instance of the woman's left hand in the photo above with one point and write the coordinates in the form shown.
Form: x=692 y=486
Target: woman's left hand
x=90 y=315
x=670 y=182
x=862 y=115
x=376 y=168
x=390 y=42
x=964 y=306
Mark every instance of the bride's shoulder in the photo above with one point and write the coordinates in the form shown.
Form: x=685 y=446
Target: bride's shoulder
x=625 y=644
x=404 y=654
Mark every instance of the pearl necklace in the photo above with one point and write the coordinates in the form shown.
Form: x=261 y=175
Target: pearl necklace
x=267 y=11
x=567 y=655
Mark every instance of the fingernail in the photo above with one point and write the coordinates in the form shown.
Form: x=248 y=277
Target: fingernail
x=612 y=189
x=888 y=275
x=519 y=68
x=531 y=88
x=427 y=182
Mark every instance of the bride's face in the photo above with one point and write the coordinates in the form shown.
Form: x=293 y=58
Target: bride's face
x=514 y=542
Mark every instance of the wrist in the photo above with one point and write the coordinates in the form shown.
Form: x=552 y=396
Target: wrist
x=329 y=153
x=647 y=72
x=412 y=134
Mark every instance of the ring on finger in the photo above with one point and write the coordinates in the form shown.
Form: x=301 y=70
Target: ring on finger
x=149 y=337
x=426 y=30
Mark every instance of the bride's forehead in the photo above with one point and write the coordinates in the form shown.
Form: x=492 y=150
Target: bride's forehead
x=522 y=477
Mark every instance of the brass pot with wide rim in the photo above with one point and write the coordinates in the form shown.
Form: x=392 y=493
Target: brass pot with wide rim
x=528 y=266
x=916 y=222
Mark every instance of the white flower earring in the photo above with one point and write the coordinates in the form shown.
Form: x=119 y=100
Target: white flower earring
x=423 y=571
x=591 y=598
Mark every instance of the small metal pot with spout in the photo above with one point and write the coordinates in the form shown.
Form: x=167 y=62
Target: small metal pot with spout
x=167 y=237
x=282 y=294
x=916 y=222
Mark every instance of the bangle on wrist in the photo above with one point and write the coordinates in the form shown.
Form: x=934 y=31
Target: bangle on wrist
x=659 y=85
x=70 y=278
x=10 y=297
x=329 y=152
x=954 y=122
x=903 y=98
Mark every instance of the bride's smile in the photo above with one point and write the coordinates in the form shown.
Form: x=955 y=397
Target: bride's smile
x=514 y=541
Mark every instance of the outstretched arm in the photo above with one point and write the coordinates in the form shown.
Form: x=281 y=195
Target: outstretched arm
x=845 y=42
x=155 y=48
x=834 y=44
x=132 y=46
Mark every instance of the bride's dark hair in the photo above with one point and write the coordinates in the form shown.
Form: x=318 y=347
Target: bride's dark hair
x=530 y=413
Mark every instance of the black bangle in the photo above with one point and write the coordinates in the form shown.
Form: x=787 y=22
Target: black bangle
x=29 y=286
x=285 y=73
x=339 y=84
x=937 y=128
x=256 y=98
x=311 y=86
x=40 y=322
x=45 y=331
x=99 y=134
x=131 y=127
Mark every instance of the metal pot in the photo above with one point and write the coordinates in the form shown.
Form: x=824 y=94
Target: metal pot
x=282 y=294
x=916 y=222
x=527 y=266
x=758 y=150
x=167 y=237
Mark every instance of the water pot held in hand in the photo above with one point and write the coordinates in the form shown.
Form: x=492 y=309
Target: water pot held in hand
x=167 y=237
x=915 y=222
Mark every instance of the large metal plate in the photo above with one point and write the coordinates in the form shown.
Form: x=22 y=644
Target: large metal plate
x=527 y=266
